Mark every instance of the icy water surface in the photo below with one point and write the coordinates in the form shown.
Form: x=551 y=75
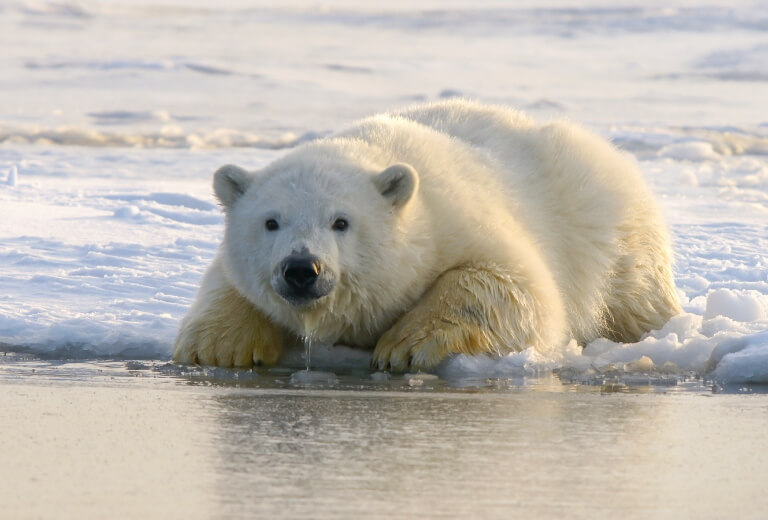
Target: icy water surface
x=142 y=439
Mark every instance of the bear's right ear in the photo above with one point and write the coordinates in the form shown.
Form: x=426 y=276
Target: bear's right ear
x=229 y=183
x=398 y=183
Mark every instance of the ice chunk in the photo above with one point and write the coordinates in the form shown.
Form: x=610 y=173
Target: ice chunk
x=13 y=176
x=127 y=212
x=644 y=364
x=743 y=360
x=739 y=305
x=529 y=362
x=690 y=151
x=313 y=377
x=382 y=377
x=418 y=378
x=419 y=375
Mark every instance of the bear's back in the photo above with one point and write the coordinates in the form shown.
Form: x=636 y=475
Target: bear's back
x=571 y=190
x=474 y=123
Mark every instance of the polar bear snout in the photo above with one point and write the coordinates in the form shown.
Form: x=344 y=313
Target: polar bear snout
x=303 y=278
x=302 y=272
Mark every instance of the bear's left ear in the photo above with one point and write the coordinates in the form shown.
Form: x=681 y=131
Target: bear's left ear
x=229 y=183
x=398 y=183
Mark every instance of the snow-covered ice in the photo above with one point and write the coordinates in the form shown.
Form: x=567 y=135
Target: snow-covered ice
x=107 y=220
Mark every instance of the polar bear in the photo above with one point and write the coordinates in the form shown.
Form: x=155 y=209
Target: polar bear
x=446 y=228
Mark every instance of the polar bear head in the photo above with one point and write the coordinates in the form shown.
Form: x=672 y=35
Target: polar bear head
x=317 y=240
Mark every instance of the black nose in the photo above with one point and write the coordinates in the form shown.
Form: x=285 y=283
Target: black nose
x=301 y=272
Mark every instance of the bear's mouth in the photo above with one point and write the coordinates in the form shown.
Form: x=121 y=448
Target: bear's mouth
x=301 y=301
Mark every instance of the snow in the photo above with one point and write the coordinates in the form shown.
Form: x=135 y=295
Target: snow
x=691 y=151
x=737 y=305
x=13 y=176
x=107 y=220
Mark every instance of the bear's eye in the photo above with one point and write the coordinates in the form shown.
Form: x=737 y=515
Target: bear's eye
x=271 y=225
x=340 y=224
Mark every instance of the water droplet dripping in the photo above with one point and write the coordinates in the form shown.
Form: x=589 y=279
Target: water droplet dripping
x=308 y=350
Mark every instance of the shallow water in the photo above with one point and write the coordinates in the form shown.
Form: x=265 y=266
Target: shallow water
x=150 y=439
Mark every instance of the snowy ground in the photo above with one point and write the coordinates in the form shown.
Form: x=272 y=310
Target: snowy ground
x=115 y=114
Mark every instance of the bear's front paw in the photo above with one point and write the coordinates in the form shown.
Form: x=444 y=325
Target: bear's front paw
x=469 y=310
x=229 y=333
x=214 y=346
x=420 y=343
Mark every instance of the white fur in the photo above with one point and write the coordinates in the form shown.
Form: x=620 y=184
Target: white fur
x=559 y=211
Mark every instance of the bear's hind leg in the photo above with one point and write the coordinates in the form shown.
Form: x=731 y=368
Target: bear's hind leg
x=642 y=295
x=471 y=310
x=634 y=310
x=227 y=331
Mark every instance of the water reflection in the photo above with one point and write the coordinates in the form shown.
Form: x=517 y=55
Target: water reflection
x=158 y=439
x=382 y=454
